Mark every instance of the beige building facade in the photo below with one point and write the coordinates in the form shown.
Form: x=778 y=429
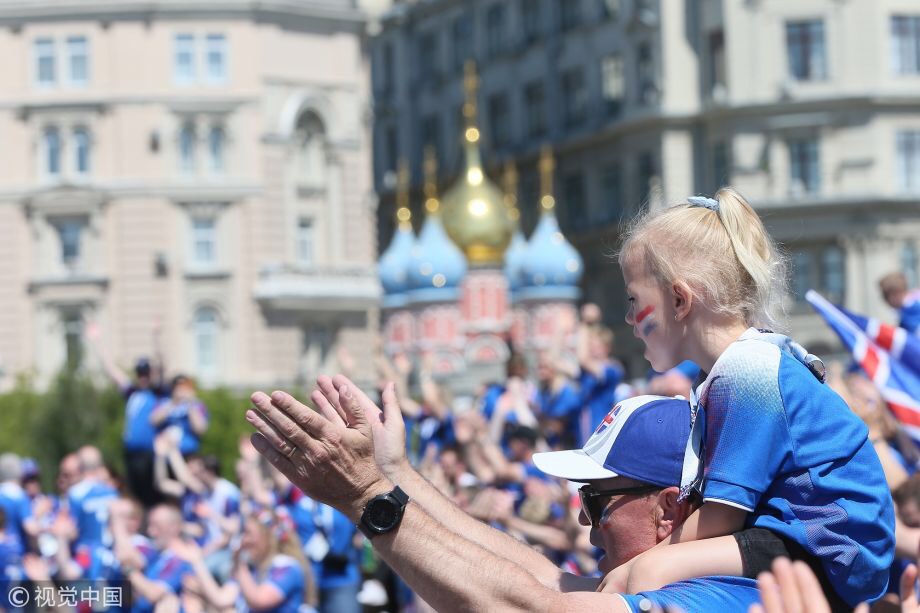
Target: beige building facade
x=810 y=108
x=198 y=166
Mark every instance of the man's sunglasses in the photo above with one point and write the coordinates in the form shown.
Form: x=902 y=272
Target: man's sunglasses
x=594 y=501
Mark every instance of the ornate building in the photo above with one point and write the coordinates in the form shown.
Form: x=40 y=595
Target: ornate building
x=811 y=109
x=470 y=286
x=203 y=166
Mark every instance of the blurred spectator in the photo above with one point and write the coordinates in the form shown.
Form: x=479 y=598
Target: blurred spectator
x=89 y=499
x=599 y=374
x=902 y=299
x=20 y=526
x=184 y=413
x=141 y=397
x=558 y=403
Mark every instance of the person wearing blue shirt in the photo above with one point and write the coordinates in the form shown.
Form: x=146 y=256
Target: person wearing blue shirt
x=20 y=526
x=89 y=500
x=599 y=375
x=185 y=412
x=558 y=404
x=141 y=395
x=338 y=573
x=906 y=302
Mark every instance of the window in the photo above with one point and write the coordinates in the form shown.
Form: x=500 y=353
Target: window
x=187 y=148
x=647 y=172
x=574 y=98
x=184 y=58
x=804 y=167
x=531 y=18
x=909 y=264
x=463 y=40
x=216 y=58
x=613 y=84
x=608 y=9
x=721 y=166
x=717 y=79
x=73 y=339
x=216 y=148
x=69 y=233
x=908 y=162
x=499 y=120
x=206 y=324
x=535 y=108
x=428 y=56
x=801 y=275
x=832 y=274
x=805 y=46
x=52 y=144
x=495 y=29
x=574 y=203
x=311 y=134
x=304 y=246
x=78 y=60
x=569 y=13
x=44 y=61
x=204 y=242
x=905 y=44
x=645 y=70
x=81 y=151
x=431 y=134
x=392 y=148
x=611 y=193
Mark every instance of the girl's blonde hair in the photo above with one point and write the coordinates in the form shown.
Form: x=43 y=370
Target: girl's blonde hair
x=723 y=253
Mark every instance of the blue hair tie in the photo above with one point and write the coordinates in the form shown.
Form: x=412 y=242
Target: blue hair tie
x=703 y=201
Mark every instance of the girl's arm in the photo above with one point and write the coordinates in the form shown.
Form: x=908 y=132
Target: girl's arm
x=701 y=547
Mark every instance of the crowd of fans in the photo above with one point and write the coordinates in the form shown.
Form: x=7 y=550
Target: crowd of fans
x=183 y=537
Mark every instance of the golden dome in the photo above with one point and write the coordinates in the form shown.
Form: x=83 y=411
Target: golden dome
x=473 y=209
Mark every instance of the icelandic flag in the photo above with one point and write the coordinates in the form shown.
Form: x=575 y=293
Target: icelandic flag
x=889 y=355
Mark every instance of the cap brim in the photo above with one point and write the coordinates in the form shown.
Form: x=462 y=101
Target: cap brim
x=574 y=465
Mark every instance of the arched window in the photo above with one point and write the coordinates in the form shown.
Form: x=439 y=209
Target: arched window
x=311 y=154
x=81 y=150
x=206 y=332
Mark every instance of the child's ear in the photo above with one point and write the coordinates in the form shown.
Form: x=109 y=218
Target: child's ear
x=682 y=299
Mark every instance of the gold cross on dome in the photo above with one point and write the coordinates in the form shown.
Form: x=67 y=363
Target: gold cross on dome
x=471 y=88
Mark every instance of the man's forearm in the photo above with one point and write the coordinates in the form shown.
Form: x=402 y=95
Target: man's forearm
x=452 y=573
x=451 y=516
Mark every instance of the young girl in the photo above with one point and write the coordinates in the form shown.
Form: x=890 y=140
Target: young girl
x=788 y=469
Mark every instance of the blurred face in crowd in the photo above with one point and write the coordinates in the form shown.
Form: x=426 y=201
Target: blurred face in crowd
x=128 y=512
x=164 y=526
x=630 y=524
x=32 y=486
x=909 y=512
x=894 y=296
x=68 y=473
x=183 y=389
x=545 y=370
x=451 y=465
x=651 y=313
x=255 y=540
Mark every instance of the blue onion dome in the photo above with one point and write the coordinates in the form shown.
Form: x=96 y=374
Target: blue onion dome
x=552 y=266
x=393 y=267
x=437 y=266
x=514 y=260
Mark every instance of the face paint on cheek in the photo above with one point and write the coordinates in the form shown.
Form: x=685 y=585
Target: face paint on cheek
x=640 y=317
x=648 y=328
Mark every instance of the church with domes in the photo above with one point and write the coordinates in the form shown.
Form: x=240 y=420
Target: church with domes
x=470 y=287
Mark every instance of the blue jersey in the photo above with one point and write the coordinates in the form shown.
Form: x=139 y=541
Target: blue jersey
x=139 y=432
x=598 y=395
x=167 y=568
x=910 y=312
x=179 y=416
x=18 y=509
x=723 y=594
x=564 y=405
x=784 y=447
x=89 y=506
x=340 y=565
x=287 y=576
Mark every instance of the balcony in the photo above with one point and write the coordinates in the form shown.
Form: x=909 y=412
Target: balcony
x=318 y=289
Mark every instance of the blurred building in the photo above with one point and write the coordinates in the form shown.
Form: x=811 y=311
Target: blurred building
x=204 y=165
x=810 y=108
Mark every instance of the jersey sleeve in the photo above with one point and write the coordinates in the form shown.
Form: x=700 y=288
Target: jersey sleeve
x=286 y=576
x=747 y=434
x=707 y=594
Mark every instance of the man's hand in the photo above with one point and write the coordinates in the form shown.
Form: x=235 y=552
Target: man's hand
x=387 y=426
x=909 y=597
x=328 y=455
x=791 y=587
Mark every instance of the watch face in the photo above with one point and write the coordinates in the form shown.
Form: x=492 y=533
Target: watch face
x=381 y=514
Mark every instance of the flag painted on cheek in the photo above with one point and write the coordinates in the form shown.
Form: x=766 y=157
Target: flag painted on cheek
x=650 y=325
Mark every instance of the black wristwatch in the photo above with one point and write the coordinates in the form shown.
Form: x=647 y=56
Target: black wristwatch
x=383 y=513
